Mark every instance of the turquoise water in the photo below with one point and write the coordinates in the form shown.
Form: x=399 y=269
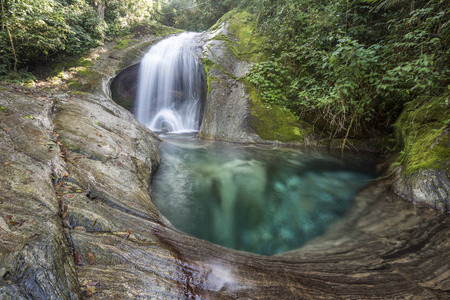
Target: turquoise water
x=257 y=199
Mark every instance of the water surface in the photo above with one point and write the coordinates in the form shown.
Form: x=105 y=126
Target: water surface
x=260 y=199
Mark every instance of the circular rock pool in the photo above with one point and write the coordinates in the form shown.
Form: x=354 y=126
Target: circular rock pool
x=259 y=199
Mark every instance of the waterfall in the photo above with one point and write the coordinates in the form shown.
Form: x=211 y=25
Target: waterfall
x=171 y=85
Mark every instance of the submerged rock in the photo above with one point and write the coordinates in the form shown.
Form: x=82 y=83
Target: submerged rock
x=166 y=127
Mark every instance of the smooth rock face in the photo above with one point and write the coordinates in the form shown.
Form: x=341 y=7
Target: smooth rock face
x=431 y=187
x=227 y=114
x=35 y=257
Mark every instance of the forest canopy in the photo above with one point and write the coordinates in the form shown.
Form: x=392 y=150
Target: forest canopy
x=33 y=31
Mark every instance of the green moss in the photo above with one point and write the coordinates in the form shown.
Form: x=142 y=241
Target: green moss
x=246 y=44
x=161 y=30
x=223 y=19
x=3 y=88
x=249 y=43
x=85 y=72
x=75 y=84
x=207 y=65
x=122 y=43
x=422 y=131
x=29 y=117
x=2 y=108
x=272 y=122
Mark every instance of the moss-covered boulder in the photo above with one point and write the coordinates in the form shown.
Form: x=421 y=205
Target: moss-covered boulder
x=423 y=131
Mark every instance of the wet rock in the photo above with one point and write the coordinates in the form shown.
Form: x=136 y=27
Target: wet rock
x=384 y=248
x=124 y=87
x=424 y=165
x=166 y=127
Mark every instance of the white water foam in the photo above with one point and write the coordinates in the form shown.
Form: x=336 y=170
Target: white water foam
x=170 y=86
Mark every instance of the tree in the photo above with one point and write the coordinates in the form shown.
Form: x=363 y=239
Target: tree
x=34 y=30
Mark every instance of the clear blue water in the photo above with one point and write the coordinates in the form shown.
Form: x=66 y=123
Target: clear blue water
x=259 y=199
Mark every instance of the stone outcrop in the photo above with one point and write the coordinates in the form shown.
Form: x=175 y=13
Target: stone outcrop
x=422 y=131
x=227 y=114
x=35 y=257
x=123 y=87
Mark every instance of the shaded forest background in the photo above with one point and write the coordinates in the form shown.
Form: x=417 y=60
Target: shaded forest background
x=356 y=63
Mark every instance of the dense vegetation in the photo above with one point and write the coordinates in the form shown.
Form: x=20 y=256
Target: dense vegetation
x=193 y=15
x=352 y=64
x=348 y=66
x=34 y=31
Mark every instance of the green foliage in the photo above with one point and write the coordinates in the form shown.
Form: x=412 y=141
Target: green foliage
x=268 y=77
x=34 y=30
x=123 y=15
x=351 y=65
x=193 y=15
x=37 y=28
x=87 y=28
x=21 y=77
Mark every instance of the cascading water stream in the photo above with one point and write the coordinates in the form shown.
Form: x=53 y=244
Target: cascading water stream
x=171 y=86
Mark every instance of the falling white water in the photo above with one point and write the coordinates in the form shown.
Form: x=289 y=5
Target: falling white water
x=170 y=86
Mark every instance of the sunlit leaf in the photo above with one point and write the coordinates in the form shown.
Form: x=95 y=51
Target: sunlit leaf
x=91 y=258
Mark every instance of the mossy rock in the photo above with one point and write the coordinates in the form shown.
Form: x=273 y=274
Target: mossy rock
x=272 y=122
x=245 y=42
x=422 y=131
